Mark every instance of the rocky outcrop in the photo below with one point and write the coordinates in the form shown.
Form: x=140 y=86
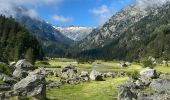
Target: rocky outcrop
x=69 y=75
x=7 y=79
x=22 y=69
x=32 y=85
x=126 y=94
x=161 y=85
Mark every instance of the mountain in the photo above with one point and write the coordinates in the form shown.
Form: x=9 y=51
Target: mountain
x=40 y=28
x=117 y=25
x=75 y=33
x=54 y=43
x=149 y=36
x=16 y=42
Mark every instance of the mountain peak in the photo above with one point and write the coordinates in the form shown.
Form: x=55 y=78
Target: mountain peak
x=76 y=33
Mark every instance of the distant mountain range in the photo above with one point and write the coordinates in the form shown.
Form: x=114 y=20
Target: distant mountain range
x=75 y=33
x=130 y=34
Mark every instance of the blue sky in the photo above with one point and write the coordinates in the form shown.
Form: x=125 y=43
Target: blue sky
x=83 y=12
x=71 y=12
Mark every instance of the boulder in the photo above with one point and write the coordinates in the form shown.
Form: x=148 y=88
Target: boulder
x=12 y=65
x=32 y=85
x=84 y=75
x=7 y=79
x=125 y=64
x=55 y=73
x=22 y=69
x=107 y=75
x=125 y=93
x=68 y=67
x=69 y=73
x=5 y=87
x=23 y=64
x=20 y=73
x=55 y=85
x=96 y=76
x=161 y=85
x=148 y=73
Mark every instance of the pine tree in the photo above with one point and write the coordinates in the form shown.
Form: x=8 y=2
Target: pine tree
x=30 y=55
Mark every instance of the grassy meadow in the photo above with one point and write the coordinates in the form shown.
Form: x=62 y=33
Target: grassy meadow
x=93 y=90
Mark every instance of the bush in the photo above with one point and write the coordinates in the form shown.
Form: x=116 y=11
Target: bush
x=135 y=74
x=148 y=63
x=42 y=63
x=5 y=69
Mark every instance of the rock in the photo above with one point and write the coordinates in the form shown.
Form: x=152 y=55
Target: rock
x=2 y=96
x=12 y=66
x=126 y=94
x=139 y=84
x=68 y=67
x=19 y=73
x=22 y=69
x=161 y=85
x=146 y=80
x=148 y=72
x=38 y=71
x=32 y=85
x=73 y=80
x=84 y=76
x=5 y=87
x=55 y=85
x=124 y=64
x=55 y=73
x=107 y=75
x=120 y=74
x=7 y=79
x=96 y=76
x=23 y=64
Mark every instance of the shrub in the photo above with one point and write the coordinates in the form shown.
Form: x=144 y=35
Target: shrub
x=135 y=74
x=148 y=63
x=5 y=69
x=42 y=63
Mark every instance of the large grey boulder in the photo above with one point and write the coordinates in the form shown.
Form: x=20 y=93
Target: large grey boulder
x=96 y=76
x=7 y=79
x=125 y=93
x=148 y=72
x=32 y=85
x=161 y=85
x=84 y=75
x=22 y=69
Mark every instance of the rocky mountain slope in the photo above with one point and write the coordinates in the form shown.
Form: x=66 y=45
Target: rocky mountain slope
x=147 y=37
x=119 y=23
x=40 y=28
x=75 y=33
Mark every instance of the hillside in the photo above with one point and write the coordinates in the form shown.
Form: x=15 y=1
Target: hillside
x=147 y=37
x=16 y=42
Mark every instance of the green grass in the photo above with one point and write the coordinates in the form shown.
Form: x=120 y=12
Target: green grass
x=94 y=90
x=55 y=79
x=1 y=82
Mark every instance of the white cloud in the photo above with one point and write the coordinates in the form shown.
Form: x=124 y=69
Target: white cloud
x=102 y=13
x=61 y=18
x=101 y=10
x=8 y=7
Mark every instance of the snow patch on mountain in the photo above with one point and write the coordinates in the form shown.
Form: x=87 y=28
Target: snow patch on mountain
x=75 y=33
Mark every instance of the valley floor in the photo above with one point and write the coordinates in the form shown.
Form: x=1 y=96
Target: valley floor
x=93 y=90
